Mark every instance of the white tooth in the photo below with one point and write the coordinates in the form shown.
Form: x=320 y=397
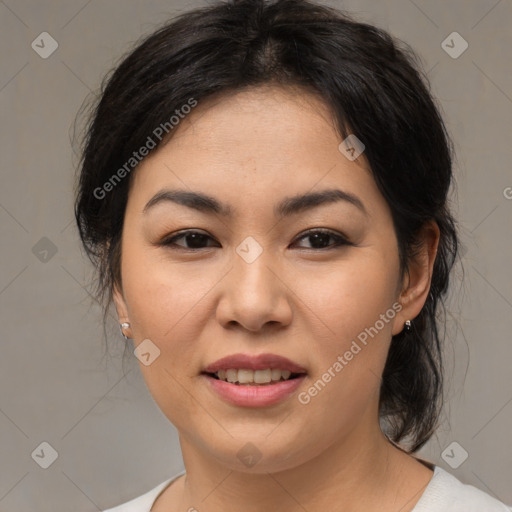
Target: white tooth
x=232 y=375
x=262 y=376
x=276 y=374
x=245 y=376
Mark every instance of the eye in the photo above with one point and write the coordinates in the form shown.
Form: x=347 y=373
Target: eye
x=196 y=240
x=319 y=238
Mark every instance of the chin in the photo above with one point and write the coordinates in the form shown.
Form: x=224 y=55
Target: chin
x=260 y=454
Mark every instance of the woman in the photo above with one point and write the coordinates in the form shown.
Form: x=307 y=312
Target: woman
x=263 y=190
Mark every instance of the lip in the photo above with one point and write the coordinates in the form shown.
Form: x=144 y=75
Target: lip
x=251 y=362
x=254 y=396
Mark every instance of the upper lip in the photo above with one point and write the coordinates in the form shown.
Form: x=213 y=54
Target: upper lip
x=251 y=362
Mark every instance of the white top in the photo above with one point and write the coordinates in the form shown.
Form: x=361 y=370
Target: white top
x=444 y=493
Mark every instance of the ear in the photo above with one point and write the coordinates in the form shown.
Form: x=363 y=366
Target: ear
x=418 y=277
x=120 y=303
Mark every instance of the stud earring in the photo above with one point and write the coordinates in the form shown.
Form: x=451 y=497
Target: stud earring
x=407 y=326
x=124 y=325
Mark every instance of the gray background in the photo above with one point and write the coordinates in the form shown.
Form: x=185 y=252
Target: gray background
x=113 y=443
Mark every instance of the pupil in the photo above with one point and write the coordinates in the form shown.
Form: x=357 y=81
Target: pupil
x=197 y=239
x=318 y=236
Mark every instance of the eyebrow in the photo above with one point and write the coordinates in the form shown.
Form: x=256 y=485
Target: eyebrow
x=288 y=206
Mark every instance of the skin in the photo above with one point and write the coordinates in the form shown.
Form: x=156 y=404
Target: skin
x=251 y=150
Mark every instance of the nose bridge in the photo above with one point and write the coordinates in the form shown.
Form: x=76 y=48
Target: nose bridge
x=252 y=274
x=255 y=295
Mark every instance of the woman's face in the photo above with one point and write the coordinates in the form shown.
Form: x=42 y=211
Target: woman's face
x=254 y=282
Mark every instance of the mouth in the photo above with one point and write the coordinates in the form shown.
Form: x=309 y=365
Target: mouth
x=245 y=390
x=248 y=380
x=249 y=377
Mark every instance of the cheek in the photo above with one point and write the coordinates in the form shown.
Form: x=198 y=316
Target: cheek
x=350 y=298
x=168 y=306
x=163 y=296
x=353 y=308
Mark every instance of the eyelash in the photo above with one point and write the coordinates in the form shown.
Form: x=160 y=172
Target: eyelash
x=339 y=240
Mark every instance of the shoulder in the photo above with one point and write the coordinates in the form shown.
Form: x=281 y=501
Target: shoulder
x=144 y=502
x=445 y=492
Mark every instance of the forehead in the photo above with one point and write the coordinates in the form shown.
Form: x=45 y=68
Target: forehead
x=261 y=143
x=259 y=114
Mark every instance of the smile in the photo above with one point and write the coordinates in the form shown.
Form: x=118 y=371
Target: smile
x=255 y=377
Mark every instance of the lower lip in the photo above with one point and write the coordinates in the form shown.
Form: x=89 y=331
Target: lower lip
x=254 y=396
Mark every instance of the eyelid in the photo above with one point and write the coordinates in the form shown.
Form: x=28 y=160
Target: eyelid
x=340 y=238
x=168 y=240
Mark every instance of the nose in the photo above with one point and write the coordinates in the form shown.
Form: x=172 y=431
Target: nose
x=254 y=296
